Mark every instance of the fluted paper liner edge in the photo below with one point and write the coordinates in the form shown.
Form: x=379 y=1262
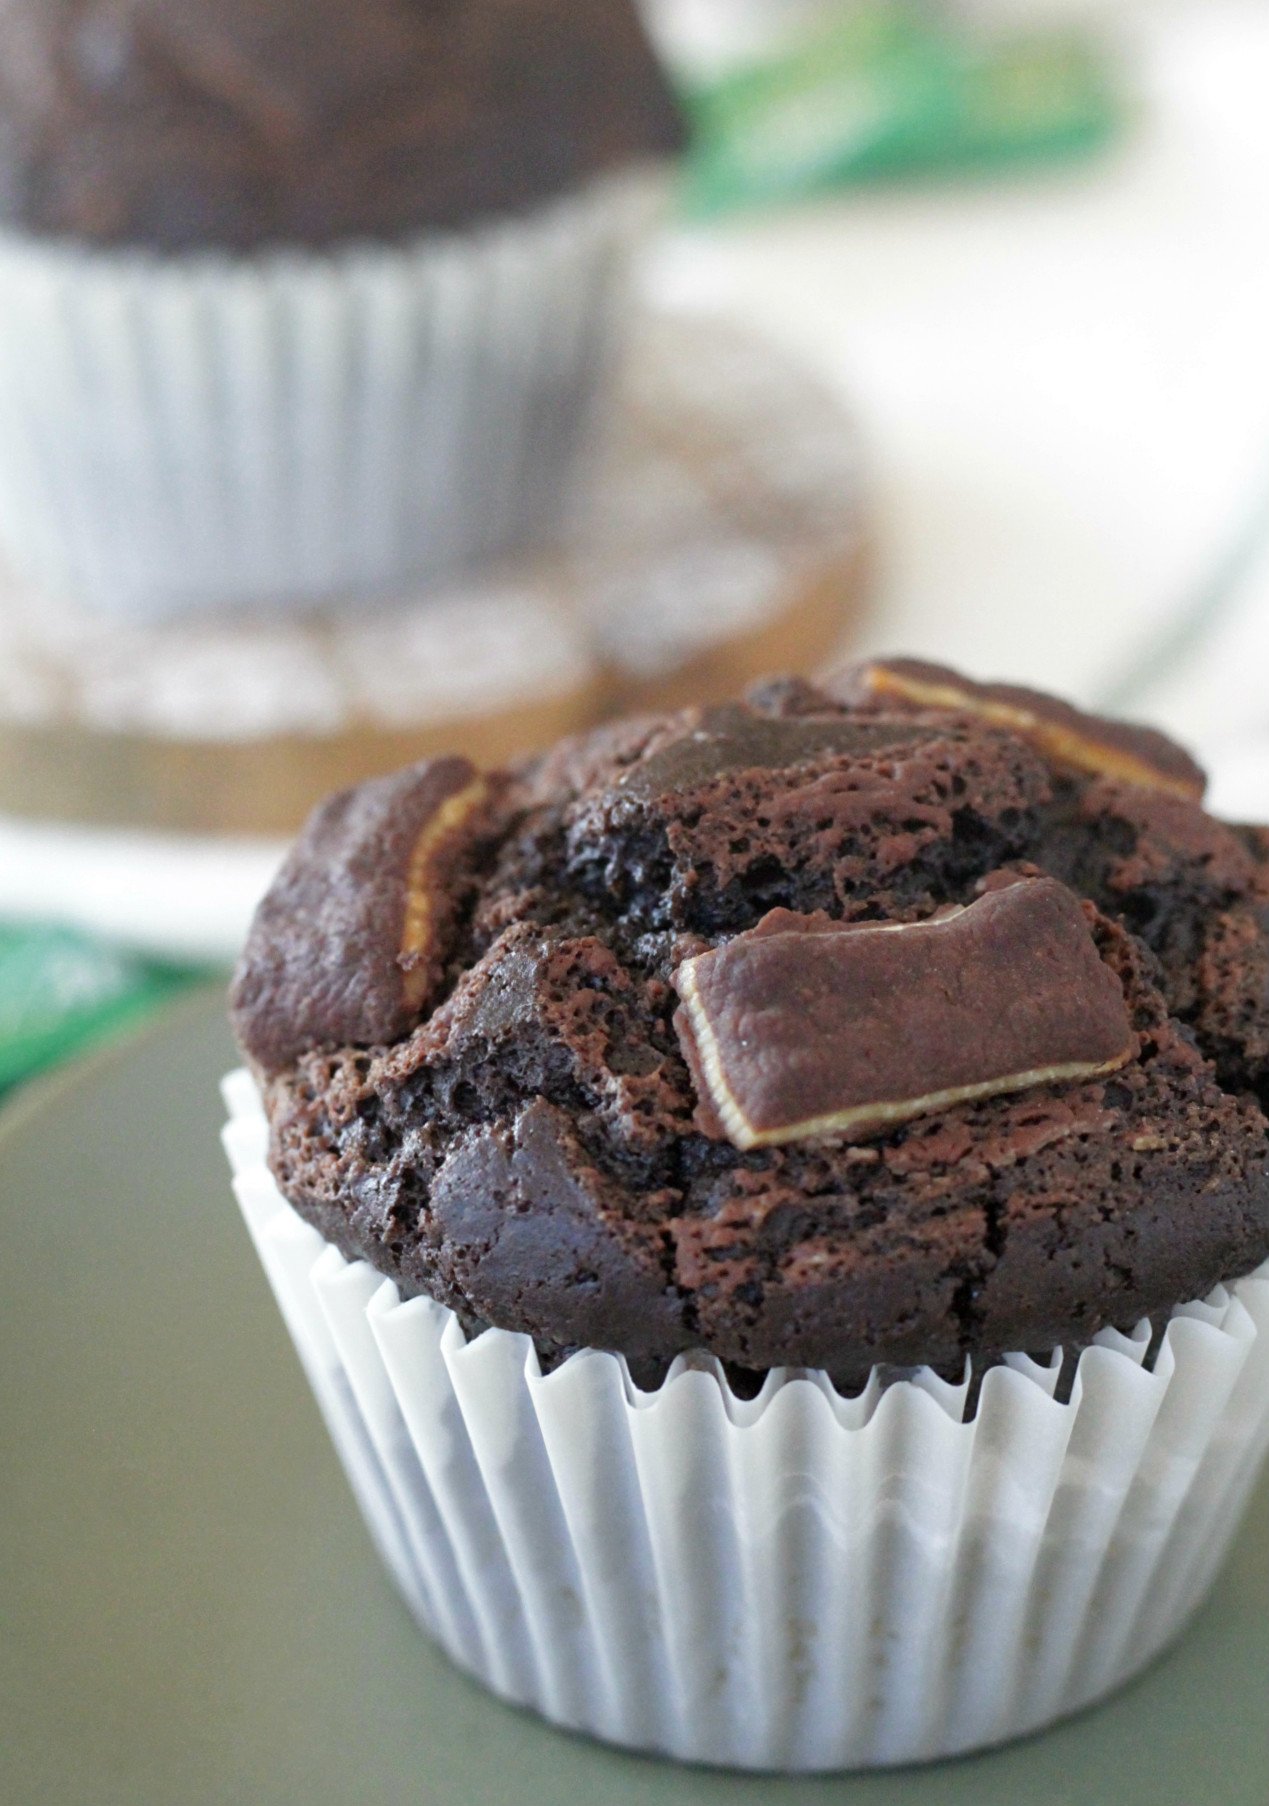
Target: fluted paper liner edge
x=295 y=427
x=798 y=1581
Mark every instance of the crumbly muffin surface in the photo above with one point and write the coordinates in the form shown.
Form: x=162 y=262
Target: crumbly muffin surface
x=534 y=1044
x=179 y=124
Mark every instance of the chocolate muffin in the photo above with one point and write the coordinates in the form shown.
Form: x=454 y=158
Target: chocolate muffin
x=184 y=124
x=895 y=1020
x=315 y=300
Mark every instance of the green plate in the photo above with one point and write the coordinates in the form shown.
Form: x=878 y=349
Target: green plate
x=190 y=1611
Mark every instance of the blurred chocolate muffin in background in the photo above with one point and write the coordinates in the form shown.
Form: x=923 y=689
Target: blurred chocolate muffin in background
x=180 y=124
x=304 y=300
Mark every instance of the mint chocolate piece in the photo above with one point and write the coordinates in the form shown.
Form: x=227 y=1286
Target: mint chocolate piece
x=804 y=1028
x=734 y=739
x=1093 y=743
x=348 y=945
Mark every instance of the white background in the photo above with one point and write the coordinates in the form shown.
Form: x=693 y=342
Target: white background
x=1064 y=378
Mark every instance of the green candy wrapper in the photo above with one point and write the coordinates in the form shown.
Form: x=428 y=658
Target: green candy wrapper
x=61 y=991
x=894 y=91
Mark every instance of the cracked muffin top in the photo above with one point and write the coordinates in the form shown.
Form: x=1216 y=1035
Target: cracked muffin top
x=890 y=1020
x=176 y=124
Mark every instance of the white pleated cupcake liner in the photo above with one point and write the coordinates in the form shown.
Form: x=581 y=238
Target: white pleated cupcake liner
x=204 y=431
x=798 y=1581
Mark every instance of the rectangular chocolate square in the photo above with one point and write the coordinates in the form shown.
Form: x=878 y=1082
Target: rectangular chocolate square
x=803 y=1028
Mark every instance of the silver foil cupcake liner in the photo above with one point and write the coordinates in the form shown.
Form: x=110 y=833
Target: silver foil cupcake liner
x=797 y=1581
x=291 y=428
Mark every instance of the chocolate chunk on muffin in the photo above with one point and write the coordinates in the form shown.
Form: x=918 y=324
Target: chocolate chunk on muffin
x=241 y=123
x=828 y=1029
x=804 y=1028
x=1125 y=827
x=1090 y=743
x=347 y=945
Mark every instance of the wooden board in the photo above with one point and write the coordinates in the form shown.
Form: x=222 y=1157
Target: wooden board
x=719 y=535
